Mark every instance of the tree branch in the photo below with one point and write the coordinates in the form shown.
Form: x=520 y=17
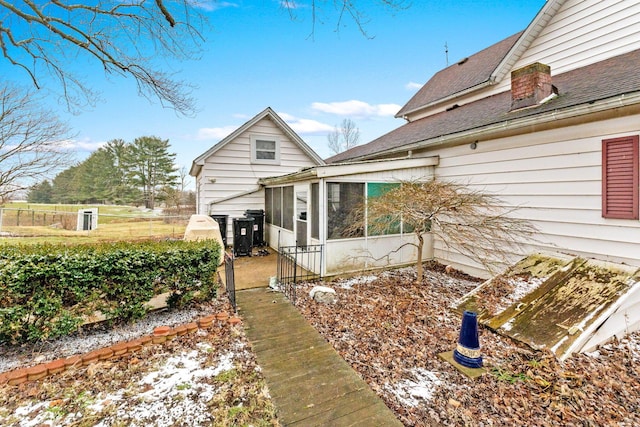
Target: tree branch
x=124 y=37
x=31 y=142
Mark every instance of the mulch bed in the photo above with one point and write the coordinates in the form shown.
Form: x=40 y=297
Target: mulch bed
x=391 y=329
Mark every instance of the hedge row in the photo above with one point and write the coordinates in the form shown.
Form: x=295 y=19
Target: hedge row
x=46 y=291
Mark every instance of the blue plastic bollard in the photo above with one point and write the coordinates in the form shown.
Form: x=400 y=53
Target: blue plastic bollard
x=467 y=353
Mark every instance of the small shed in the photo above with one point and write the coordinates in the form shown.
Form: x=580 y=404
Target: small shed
x=87 y=219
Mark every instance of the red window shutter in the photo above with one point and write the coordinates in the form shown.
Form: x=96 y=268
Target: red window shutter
x=620 y=178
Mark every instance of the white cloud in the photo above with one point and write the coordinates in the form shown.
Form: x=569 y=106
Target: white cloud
x=306 y=126
x=357 y=109
x=299 y=125
x=80 y=144
x=214 y=133
x=413 y=86
x=212 y=5
x=89 y=145
x=388 y=110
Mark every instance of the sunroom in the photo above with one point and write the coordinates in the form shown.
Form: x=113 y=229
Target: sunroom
x=314 y=208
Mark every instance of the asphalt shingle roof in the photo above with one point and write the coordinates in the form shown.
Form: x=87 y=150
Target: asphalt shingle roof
x=465 y=74
x=589 y=84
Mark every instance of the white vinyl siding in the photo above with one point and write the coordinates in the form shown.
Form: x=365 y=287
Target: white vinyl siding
x=583 y=33
x=579 y=34
x=233 y=171
x=554 y=179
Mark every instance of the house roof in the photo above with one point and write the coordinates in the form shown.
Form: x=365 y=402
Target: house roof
x=467 y=73
x=590 y=86
x=266 y=113
x=487 y=67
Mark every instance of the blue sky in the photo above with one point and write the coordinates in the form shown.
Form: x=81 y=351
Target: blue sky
x=257 y=56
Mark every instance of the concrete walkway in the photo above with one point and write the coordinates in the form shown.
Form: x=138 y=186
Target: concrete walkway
x=310 y=384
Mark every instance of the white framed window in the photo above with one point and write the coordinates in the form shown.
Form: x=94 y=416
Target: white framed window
x=265 y=149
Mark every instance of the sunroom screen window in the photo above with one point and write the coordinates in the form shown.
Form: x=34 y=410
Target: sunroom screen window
x=344 y=218
x=268 y=205
x=287 y=207
x=381 y=225
x=277 y=206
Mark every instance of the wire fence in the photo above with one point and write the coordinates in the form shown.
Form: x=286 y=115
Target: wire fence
x=101 y=223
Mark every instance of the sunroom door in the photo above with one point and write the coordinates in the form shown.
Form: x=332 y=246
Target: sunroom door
x=301 y=216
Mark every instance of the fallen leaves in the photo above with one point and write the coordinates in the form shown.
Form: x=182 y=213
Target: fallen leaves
x=390 y=327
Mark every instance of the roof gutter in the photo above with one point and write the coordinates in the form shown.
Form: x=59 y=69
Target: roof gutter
x=195 y=169
x=620 y=101
x=346 y=169
x=311 y=173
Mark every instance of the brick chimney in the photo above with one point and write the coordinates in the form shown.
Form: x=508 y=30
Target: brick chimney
x=530 y=85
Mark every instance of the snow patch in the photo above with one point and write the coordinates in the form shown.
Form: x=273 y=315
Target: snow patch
x=412 y=392
x=360 y=280
x=176 y=394
x=84 y=342
x=507 y=326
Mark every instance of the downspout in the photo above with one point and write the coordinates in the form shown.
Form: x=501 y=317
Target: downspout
x=198 y=201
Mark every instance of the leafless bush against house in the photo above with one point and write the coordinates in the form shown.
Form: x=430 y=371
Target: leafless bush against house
x=471 y=222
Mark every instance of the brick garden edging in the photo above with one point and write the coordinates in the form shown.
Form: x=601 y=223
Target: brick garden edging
x=160 y=335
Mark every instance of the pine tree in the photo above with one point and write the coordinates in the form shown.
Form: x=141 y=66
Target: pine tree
x=149 y=166
x=41 y=192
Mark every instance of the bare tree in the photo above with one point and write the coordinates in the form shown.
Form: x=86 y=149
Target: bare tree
x=125 y=37
x=343 y=10
x=184 y=183
x=343 y=137
x=31 y=142
x=468 y=221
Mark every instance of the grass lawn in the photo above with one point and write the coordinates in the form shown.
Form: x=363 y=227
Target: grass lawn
x=30 y=223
